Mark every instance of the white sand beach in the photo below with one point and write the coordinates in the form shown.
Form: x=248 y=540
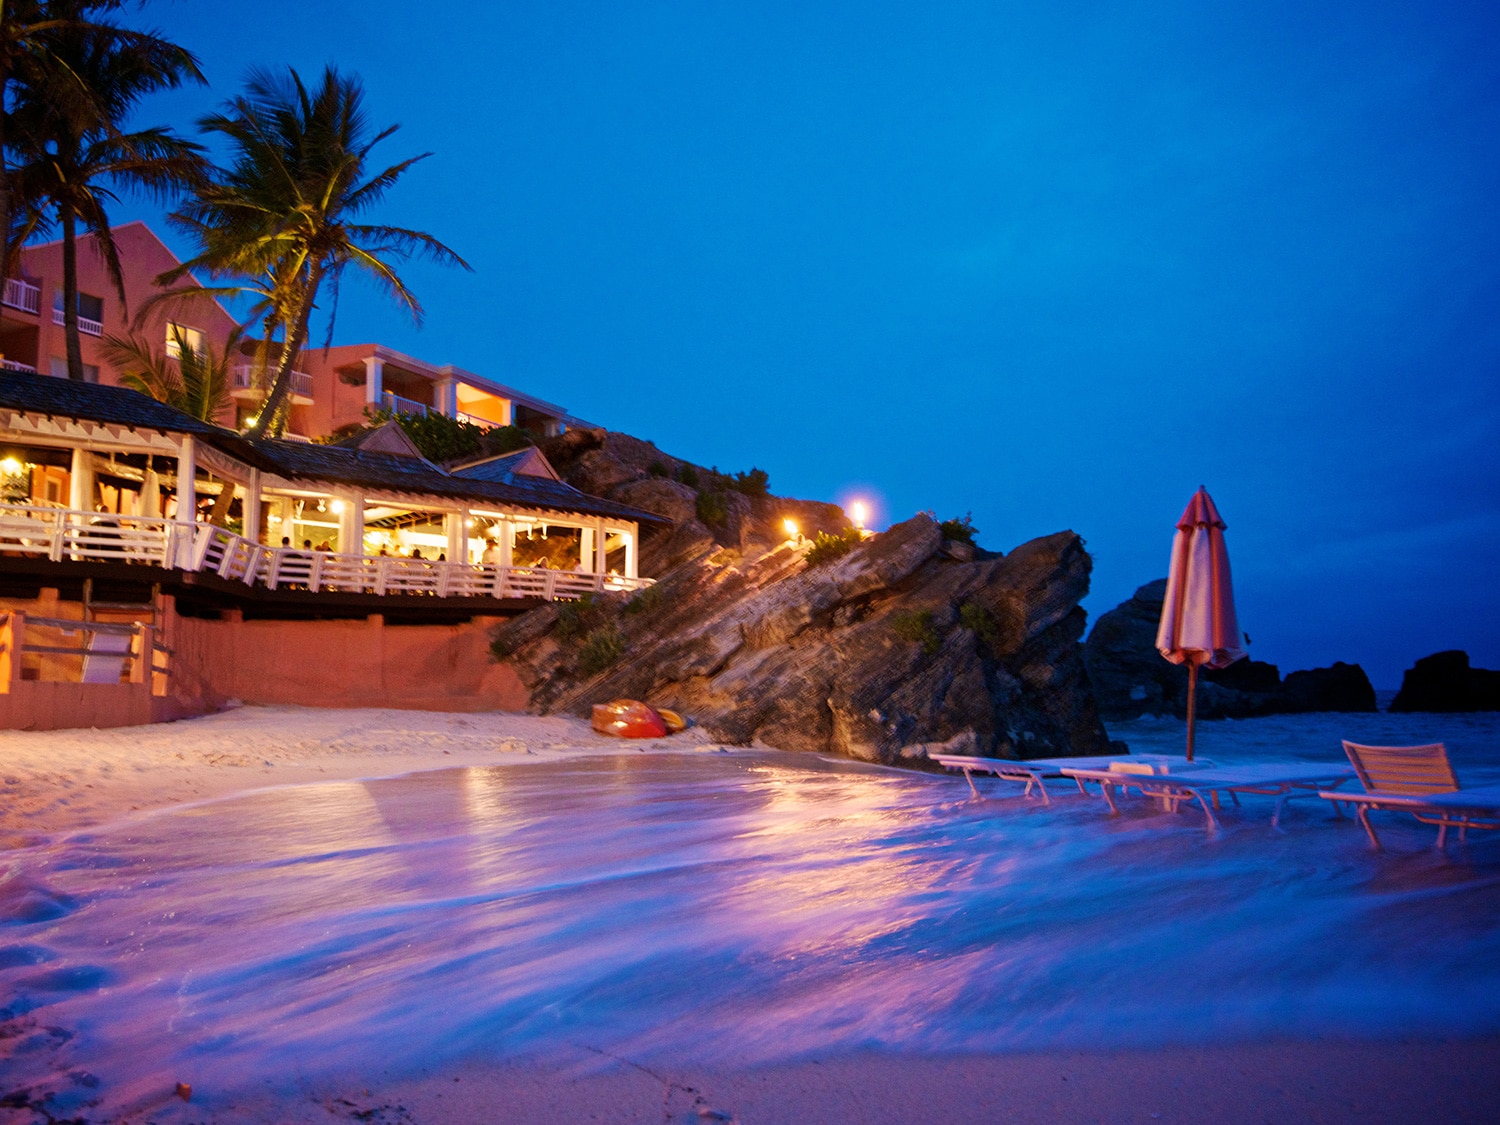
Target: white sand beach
x=341 y=915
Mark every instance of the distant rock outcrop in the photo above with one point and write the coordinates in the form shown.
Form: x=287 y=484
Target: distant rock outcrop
x=1131 y=679
x=883 y=654
x=1445 y=682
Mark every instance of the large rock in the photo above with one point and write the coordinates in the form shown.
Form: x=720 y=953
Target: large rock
x=883 y=654
x=1445 y=682
x=1131 y=678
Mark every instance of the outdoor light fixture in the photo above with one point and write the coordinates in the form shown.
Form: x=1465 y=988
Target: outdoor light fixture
x=338 y=506
x=793 y=532
x=10 y=467
x=857 y=514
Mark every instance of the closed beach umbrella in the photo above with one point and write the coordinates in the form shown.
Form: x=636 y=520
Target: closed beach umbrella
x=1198 y=623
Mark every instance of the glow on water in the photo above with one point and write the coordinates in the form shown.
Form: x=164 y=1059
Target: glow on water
x=740 y=906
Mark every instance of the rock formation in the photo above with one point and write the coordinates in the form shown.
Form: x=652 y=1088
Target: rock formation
x=882 y=654
x=1445 y=682
x=1131 y=679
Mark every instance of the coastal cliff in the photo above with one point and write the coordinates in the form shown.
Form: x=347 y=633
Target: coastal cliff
x=1131 y=679
x=905 y=643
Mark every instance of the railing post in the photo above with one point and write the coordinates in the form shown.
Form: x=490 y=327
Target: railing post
x=315 y=572
x=549 y=585
x=12 y=635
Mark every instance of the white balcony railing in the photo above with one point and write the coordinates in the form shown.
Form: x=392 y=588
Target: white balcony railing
x=64 y=534
x=85 y=325
x=17 y=365
x=242 y=377
x=398 y=405
x=21 y=295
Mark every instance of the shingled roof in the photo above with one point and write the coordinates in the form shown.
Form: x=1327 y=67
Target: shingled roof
x=95 y=402
x=331 y=464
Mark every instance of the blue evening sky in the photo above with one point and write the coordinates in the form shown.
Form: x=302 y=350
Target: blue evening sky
x=1055 y=264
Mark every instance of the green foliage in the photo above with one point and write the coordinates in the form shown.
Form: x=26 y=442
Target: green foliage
x=688 y=475
x=978 y=620
x=576 y=618
x=713 y=508
x=826 y=548
x=500 y=440
x=657 y=468
x=916 y=625
x=600 y=649
x=757 y=482
x=962 y=530
x=647 y=600
x=438 y=437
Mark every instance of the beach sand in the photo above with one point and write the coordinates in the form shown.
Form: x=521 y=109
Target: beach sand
x=60 y=782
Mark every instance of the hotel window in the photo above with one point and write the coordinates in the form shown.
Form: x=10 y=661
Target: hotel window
x=90 y=308
x=190 y=336
x=59 y=369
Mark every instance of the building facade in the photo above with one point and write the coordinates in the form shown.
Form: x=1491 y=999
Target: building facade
x=333 y=387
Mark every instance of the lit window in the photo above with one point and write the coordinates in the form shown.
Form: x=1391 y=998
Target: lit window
x=190 y=336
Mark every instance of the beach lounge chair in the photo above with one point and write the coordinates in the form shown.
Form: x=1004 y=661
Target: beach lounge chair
x=1282 y=780
x=1417 y=780
x=1033 y=771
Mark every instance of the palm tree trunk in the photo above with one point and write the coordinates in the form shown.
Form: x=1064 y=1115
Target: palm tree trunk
x=291 y=346
x=70 y=293
x=5 y=247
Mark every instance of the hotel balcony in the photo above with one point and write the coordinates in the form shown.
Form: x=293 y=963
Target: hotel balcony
x=87 y=326
x=243 y=385
x=21 y=295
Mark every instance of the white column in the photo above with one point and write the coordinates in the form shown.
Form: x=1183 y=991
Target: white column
x=586 y=548
x=187 y=470
x=352 y=525
x=374 y=369
x=600 y=542
x=631 y=566
x=507 y=542
x=454 y=523
x=507 y=412
x=446 y=399
x=81 y=482
x=252 y=508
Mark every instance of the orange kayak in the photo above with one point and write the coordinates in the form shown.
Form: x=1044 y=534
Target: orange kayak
x=628 y=718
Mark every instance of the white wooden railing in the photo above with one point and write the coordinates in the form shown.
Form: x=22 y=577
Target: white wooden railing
x=242 y=377
x=398 y=405
x=61 y=534
x=17 y=365
x=21 y=295
x=85 y=325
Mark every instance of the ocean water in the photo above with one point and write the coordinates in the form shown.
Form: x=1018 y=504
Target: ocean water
x=734 y=906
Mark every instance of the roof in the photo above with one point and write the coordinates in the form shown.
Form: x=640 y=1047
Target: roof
x=95 y=402
x=397 y=473
x=331 y=464
x=527 y=462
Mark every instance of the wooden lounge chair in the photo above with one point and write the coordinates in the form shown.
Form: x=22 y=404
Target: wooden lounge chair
x=1032 y=771
x=1282 y=780
x=1418 y=780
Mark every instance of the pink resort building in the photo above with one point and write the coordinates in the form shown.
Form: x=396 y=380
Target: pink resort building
x=344 y=573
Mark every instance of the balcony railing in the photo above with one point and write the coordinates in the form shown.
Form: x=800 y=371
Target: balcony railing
x=64 y=534
x=21 y=295
x=17 y=365
x=242 y=377
x=398 y=405
x=85 y=325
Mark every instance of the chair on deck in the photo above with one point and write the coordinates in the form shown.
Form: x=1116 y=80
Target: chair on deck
x=1418 y=780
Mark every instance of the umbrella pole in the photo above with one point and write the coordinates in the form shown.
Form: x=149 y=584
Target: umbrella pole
x=1191 y=705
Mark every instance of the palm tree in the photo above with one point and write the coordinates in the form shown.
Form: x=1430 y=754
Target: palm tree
x=197 y=383
x=71 y=155
x=281 y=218
x=29 y=35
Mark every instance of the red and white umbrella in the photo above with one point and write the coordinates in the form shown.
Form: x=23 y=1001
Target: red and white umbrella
x=1198 y=623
